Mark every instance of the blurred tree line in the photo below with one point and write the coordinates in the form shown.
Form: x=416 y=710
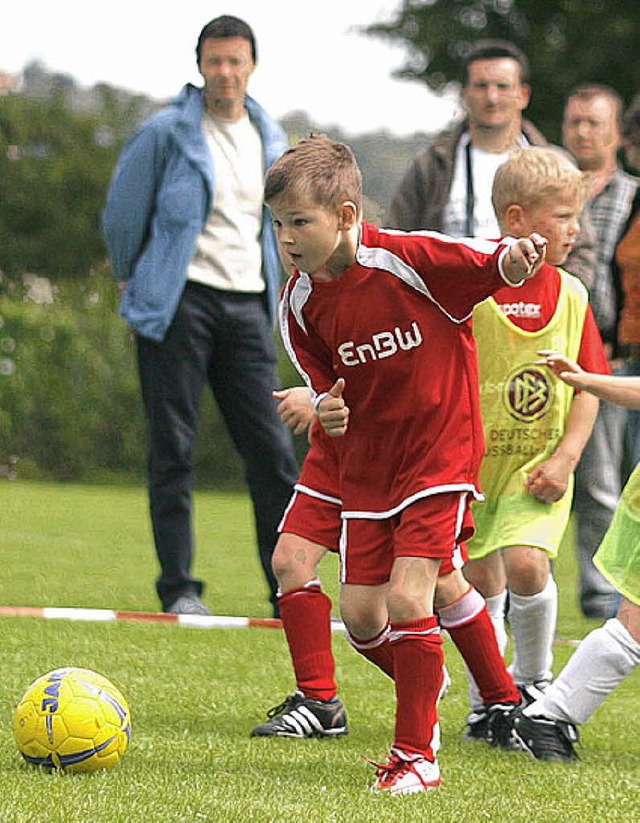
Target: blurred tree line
x=567 y=42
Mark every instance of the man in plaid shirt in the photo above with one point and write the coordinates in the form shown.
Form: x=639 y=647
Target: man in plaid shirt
x=592 y=133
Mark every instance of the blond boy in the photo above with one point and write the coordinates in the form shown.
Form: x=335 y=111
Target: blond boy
x=535 y=425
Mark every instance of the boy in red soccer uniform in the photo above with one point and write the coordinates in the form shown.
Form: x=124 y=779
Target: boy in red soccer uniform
x=310 y=527
x=380 y=321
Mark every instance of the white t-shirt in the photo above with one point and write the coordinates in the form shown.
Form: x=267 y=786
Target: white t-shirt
x=228 y=252
x=484 y=165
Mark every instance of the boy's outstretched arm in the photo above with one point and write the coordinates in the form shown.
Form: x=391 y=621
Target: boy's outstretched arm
x=623 y=391
x=524 y=258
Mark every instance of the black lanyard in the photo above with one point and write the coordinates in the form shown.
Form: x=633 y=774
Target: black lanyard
x=470 y=193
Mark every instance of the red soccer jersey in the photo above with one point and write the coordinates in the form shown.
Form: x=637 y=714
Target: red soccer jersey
x=531 y=307
x=396 y=325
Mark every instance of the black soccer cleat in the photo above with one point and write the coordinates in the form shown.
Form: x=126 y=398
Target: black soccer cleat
x=532 y=691
x=543 y=738
x=500 y=726
x=477 y=726
x=492 y=725
x=299 y=716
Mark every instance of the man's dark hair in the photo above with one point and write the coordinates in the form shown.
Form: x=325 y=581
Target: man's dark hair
x=227 y=26
x=495 y=50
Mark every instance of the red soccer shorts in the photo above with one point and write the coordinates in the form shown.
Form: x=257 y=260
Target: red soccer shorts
x=435 y=526
x=373 y=544
x=315 y=518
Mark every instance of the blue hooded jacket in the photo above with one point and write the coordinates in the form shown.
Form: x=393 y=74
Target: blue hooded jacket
x=158 y=203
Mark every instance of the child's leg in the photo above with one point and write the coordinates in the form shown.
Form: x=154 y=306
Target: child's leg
x=364 y=612
x=406 y=550
x=602 y=661
x=305 y=611
x=418 y=668
x=417 y=655
x=488 y=576
x=497 y=607
x=533 y=611
x=463 y=613
x=412 y=641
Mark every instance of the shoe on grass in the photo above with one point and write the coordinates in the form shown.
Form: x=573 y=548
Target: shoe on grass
x=500 y=726
x=491 y=724
x=477 y=728
x=299 y=716
x=543 y=738
x=406 y=774
x=532 y=692
x=188 y=604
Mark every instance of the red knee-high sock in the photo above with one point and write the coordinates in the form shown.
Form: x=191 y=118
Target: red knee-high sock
x=377 y=650
x=469 y=625
x=306 y=618
x=418 y=659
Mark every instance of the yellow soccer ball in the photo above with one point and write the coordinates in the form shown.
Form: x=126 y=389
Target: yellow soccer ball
x=72 y=719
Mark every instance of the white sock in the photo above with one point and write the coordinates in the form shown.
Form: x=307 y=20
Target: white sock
x=533 y=626
x=495 y=607
x=601 y=662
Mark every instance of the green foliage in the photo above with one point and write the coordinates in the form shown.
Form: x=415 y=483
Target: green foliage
x=567 y=42
x=70 y=406
x=67 y=389
x=195 y=694
x=54 y=174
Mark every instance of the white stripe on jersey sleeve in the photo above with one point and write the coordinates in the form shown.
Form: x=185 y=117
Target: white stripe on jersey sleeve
x=284 y=308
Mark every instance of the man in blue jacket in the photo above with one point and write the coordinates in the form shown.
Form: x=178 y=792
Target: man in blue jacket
x=192 y=247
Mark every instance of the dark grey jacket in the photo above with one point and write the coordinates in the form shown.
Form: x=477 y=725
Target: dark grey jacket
x=421 y=197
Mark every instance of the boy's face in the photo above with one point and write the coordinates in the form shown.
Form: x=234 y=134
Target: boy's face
x=558 y=221
x=311 y=237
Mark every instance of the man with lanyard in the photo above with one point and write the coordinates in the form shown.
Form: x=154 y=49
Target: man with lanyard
x=447 y=187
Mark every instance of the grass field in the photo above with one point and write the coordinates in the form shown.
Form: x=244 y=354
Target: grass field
x=195 y=694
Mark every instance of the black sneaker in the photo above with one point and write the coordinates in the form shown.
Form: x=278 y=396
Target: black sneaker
x=543 y=738
x=477 y=726
x=188 y=604
x=532 y=692
x=491 y=725
x=500 y=726
x=301 y=716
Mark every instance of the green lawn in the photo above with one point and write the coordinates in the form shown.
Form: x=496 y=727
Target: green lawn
x=195 y=694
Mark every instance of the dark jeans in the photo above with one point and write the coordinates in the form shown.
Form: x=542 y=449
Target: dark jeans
x=224 y=339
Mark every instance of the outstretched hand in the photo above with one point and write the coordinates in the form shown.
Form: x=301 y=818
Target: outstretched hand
x=333 y=412
x=564 y=368
x=525 y=257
